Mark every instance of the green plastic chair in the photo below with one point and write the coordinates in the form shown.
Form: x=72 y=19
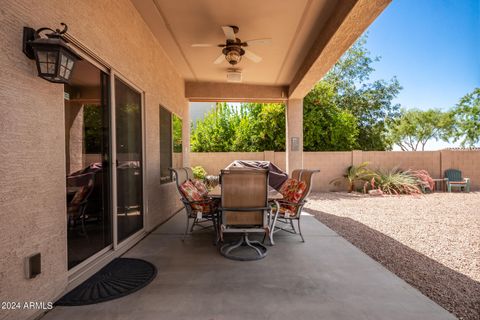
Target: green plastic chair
x=454 y=179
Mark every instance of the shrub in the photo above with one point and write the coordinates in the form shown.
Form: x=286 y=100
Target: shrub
x=424 y=179
x=354 y=174
x=395 y=181
x=199 y=173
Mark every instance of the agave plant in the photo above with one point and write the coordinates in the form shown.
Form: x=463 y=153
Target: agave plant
x=396 y=181
x=354 y=174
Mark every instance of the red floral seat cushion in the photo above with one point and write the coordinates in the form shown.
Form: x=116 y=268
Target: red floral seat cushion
x=191 y=193
x=292 y=191
x=201 y=187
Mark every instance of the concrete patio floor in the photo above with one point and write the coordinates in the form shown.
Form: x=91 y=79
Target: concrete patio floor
x=324 y=278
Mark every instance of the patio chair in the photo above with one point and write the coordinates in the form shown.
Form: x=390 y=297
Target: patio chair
x=202 y=211
x=84 y=183
x=287 y=211
x=296 y=174
x=454 y=179
x=244 y=208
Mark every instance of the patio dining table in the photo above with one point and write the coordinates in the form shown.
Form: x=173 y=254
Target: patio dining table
x=272 y=193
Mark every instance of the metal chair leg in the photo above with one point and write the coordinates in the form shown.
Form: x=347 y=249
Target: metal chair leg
x=252 y=244
x=82 y=222
x=186 y=229
x=293 y=228
x=230 y=247
x=260 y=250
x=84 y=230
x=193 y=224
x=300 y=230
x=215 y=229
x=272 y=228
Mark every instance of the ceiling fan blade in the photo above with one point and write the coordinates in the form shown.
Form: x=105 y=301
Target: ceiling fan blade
x=258 y=41
x=229 y=33
x=202 y=45
x=252 y=56
x=220 y=59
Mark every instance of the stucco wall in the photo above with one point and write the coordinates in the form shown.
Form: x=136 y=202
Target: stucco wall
x=333 y=164
x=32 y=174
x=427 y=160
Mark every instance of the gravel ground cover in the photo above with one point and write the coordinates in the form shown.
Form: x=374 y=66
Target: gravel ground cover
x=431 y=241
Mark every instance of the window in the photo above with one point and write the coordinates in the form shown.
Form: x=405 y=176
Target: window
x=177 y=141
x=166 y=145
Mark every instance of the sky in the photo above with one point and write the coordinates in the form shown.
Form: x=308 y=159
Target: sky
x=433 y=47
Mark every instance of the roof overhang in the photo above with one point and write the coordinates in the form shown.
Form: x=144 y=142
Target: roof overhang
x=308 y=37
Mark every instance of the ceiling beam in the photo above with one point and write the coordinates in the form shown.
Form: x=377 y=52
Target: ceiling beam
x=235 y=92
x=349 y=20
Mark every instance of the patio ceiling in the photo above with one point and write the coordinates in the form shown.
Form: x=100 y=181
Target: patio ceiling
x=302 y=31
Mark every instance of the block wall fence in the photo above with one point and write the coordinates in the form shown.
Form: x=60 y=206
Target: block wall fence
x=333 y=164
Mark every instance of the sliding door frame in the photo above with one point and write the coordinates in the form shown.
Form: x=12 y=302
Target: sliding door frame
x=132 y=238
x=91 y=265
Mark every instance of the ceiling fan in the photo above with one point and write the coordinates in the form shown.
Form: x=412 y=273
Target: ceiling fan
x=234 y=48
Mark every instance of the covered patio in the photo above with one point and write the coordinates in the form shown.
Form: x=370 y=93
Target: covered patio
x=326 y=277
x=139 y=59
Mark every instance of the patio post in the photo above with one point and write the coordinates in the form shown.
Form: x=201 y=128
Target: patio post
x=186 y=135
x=294 y=134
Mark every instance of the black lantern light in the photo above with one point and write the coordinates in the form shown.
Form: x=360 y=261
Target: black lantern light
x=54 y=58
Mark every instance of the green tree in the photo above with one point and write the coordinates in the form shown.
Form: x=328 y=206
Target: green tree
x=326 y=127
x=177 y=133
x=216 y=132
x=262 y=127
x=414 y=128
x=371 y=102
x=467 y=117
x=248 y=127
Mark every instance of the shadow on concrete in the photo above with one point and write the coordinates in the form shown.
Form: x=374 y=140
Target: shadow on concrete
x=452 y=290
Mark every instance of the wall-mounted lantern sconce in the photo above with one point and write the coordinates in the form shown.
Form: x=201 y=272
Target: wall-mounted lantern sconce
x=54 y=58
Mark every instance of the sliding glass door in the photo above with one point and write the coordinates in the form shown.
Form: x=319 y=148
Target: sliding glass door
x=87 y=136
x=129 y=166
x=104 y=162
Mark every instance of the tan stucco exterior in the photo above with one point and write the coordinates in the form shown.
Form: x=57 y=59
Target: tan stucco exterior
x=32 y=143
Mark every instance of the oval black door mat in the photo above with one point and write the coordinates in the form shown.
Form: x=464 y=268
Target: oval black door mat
x=119 y=278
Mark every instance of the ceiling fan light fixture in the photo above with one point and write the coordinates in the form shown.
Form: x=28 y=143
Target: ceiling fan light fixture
x=233 y=57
